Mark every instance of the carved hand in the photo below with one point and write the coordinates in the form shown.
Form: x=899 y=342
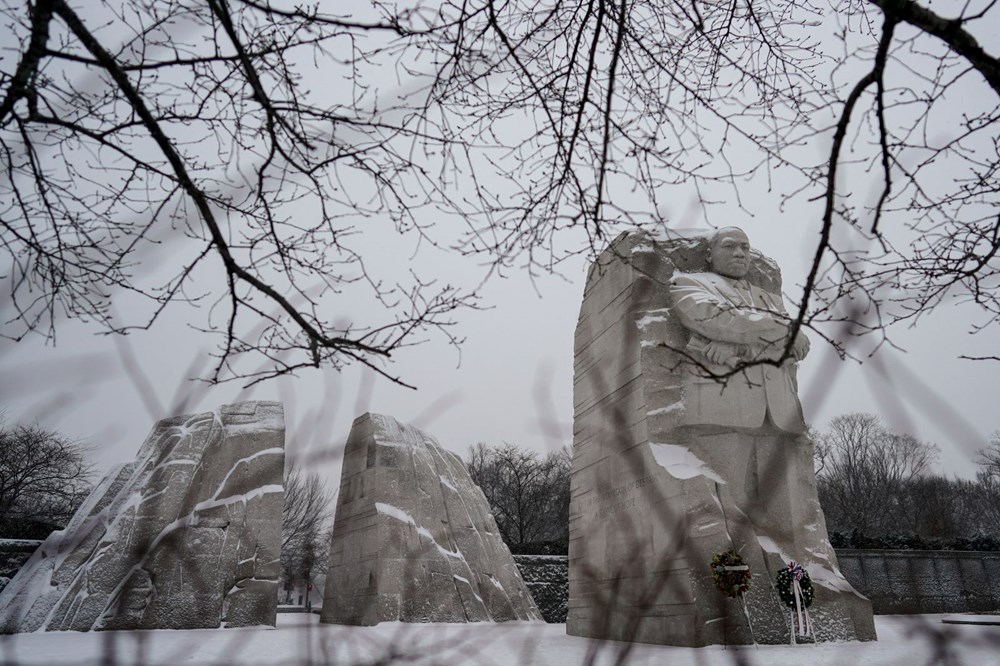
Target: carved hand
x=720 y=353
x=800 y=347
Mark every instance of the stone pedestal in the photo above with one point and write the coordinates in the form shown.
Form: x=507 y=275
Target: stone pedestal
x=187 y=536
x=413 y=539
x=654 y=497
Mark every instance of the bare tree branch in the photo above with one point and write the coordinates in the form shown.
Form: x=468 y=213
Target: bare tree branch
x=950 y=31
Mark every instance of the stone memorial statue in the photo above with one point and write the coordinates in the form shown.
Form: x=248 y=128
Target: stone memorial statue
x=732 y=322
x=413 y=539
x=689 y=442
x=186 y=536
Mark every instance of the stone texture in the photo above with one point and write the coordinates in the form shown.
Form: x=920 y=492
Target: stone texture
x=652 y=498
x=413 y=538
x=187 y=536
x=547 y=579
x=13 y=554
x=896 y=581
x=925 y=581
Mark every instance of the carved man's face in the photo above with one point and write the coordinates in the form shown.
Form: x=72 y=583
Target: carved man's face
x=730 y=253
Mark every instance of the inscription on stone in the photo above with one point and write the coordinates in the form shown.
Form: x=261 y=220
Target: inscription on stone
x=617 y=499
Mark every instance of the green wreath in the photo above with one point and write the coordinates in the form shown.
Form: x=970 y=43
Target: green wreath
x=730 y=573
x=786 y=591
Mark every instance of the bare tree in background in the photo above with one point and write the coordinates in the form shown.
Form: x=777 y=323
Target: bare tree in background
x=865 y=472
x=881 y=484
x=43 y=475
x=936 y=507
x=306 y=522
x=270 y=139
x=989 y=457
x=988 y=483
x=528 y=494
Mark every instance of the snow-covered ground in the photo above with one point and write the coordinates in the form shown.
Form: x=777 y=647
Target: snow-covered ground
x=300 y=639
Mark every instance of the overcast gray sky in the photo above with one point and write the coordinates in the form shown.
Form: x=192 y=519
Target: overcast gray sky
x=512 y=380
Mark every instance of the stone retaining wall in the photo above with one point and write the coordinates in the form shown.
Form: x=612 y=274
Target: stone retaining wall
x=924 y=581
x=547 y=579
x=13 y=554
x=896 y=581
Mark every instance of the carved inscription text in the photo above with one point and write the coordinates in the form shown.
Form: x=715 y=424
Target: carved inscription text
x=616 y=499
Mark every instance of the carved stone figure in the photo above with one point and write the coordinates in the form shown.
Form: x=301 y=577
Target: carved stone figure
x=681 y=452
x=731 y=322
x=413 y=539
x=188 y=536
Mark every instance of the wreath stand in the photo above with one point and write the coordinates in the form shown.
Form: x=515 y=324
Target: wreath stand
x=732 y=577
x=795 y=590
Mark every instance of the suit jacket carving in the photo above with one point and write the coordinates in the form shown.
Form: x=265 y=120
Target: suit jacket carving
x=751 y=324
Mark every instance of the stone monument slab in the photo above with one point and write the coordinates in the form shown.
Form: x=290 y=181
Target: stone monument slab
x=688 y=441
x=187 y=536
x=413 y=537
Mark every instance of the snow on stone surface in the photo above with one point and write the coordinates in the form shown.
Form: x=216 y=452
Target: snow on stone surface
x=382 y=567
x=241 y=497
x=645 y=321
x=133 y=554
x=904 y=640
x=395 y=512
x=246 y=460
x=767 y=543
x=819 y=573
x=818 y=554
x=830 y=579
x=402 y=516
x=680 y=462
x=672 y=407
x=466 y=581
x=693 y=235
x=628 y=429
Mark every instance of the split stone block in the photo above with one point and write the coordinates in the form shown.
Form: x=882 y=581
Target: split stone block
x=187 y=536
x=413 y=538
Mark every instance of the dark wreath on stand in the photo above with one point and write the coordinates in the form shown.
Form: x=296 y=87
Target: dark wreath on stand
x=730 y=573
